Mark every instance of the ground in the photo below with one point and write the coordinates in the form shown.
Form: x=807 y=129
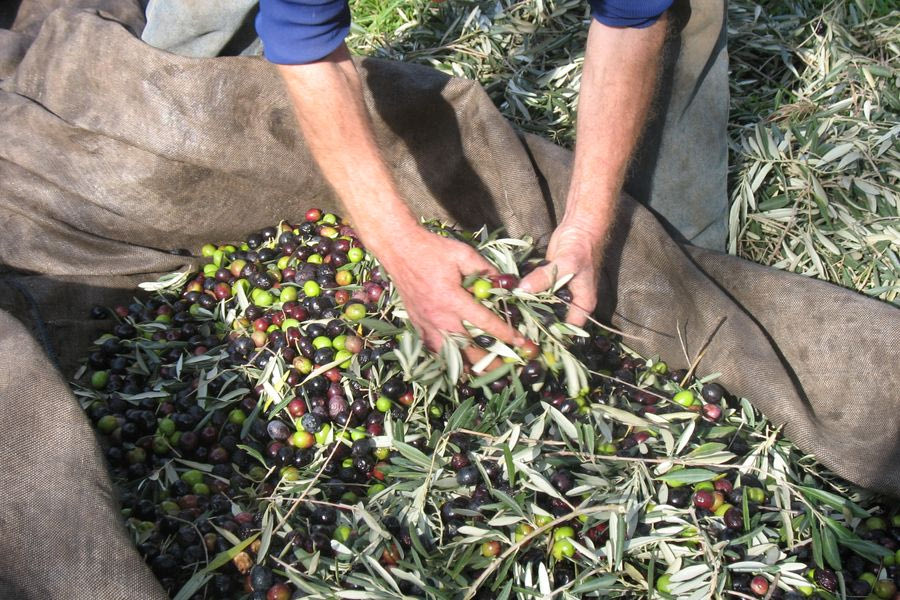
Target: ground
x=815 y=112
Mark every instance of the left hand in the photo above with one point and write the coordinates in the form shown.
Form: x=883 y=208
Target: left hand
x=573 y=249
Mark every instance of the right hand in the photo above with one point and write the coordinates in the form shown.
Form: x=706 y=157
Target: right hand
x=428 y=270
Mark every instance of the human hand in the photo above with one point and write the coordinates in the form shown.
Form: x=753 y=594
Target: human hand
x=573 y=250
x=428 y=271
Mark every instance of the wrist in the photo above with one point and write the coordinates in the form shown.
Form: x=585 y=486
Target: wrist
x=592 y=218
x=388 y=238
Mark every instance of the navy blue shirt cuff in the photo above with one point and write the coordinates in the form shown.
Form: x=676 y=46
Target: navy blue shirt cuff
x=296 y=32
x=628 y=13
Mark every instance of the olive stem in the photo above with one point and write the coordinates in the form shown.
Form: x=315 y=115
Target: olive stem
x=572 y=583
x=741 y=595
x=703 y=349
x=525 y=540
x=602 y=326
x=631 y=385
x=311 y=484
x=773 y=585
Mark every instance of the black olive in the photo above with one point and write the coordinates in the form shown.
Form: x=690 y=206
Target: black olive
x=468 y=476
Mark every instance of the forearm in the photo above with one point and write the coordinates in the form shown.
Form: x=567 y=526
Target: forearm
x=328 y=101
x=426 y=269
x=617 y=87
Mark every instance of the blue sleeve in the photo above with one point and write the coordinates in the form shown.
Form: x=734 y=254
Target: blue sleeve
x=628 y=13
x=295 y=32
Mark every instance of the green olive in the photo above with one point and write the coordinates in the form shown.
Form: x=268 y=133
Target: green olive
x=607 y=448
x=160 y=445
x=321 y=341
x=481 y=289
x=345 y=358
x=342 y=533
x=684 y=398
x=288 y=323
x=192 y=477
x=240 y=284
x=288 y=293
x=302 y=439
x=311 y=288
x=166 y=426
x=662 y=583
x=322 y=435
x=237 y=416
x=261 y=297
x=541 y=520
x=290 y=473
x=355 y=255
x=108 y=423
x=99 y=379
x=523 y=530
x=755 y=494
x=563 y=548
x=355 y=311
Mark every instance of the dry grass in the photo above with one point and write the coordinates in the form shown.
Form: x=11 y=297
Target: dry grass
x=814 y=121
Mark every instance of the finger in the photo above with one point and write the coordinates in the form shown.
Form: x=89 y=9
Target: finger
x=538 y=280
x=438 y=327
x=430 y=336
x=577 y=315
x=432 y=341
x=475 y=264
x=480 y=316
x=584 y=300
x=473 y=354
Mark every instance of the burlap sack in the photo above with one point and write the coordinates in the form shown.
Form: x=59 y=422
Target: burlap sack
x=113 y=153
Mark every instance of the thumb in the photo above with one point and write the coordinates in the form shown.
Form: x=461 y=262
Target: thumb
x=538 y=280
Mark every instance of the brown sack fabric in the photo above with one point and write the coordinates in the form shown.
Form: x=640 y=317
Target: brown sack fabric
x=62 y=534
x=113 y=153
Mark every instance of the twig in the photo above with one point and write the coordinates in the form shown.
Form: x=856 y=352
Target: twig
x=773 y=586
x=525 y=540
x=312 y=482
x=740 y=595
x=687 y=358
x=703 y=349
